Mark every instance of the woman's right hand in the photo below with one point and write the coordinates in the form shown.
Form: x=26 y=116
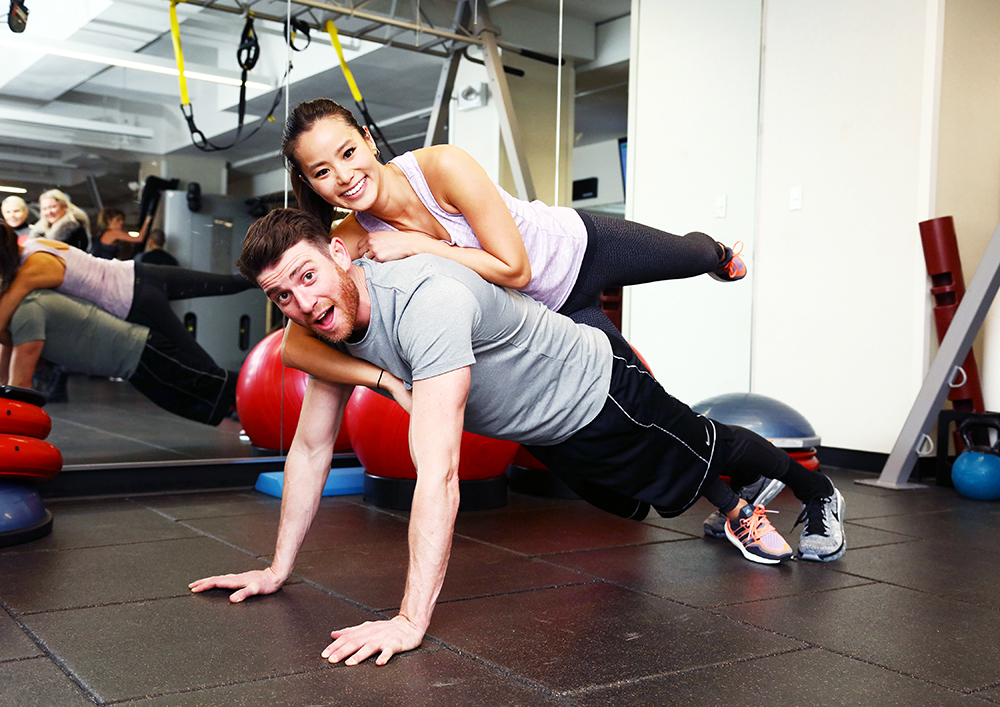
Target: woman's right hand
x=384 y=246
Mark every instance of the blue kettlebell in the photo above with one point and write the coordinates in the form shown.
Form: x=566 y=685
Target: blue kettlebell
x=976 y=472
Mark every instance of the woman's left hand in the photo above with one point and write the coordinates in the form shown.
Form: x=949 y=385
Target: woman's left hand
x=393 y=245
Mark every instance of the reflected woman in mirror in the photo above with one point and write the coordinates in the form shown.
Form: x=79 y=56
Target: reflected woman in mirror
x=62 y=221
x=136 y=292
x=15 y=214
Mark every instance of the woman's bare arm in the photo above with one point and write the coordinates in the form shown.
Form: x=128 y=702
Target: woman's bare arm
x=303 y=351
x=461 y=185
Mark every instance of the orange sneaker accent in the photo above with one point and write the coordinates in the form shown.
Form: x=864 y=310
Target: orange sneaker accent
x=757 y=539
x=735 y=267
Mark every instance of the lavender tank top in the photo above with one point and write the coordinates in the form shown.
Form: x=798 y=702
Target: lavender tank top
x=554 y=236
x=109 y=284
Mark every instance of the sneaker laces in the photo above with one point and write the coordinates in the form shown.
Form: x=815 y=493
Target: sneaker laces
x=730 y=266
x=814 y=517
x=758 y=525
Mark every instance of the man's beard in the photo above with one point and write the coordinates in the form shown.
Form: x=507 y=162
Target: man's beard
x=345 y=309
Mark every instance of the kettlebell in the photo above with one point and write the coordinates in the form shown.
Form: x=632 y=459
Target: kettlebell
x=976 y=472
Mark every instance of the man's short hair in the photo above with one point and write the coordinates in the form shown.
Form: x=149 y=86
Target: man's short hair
x=269 y=237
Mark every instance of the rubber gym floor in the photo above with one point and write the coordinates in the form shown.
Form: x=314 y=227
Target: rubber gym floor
x=547 y=602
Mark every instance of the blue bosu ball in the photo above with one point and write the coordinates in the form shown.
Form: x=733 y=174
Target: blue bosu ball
x=23 y=516
x=772 y=419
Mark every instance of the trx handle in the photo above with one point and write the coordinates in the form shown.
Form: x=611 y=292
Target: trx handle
x=335 y=40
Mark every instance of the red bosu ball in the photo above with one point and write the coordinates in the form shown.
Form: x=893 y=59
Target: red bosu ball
x=28 y=459
x=20 y=418
x=379 y=432
x=259 y=399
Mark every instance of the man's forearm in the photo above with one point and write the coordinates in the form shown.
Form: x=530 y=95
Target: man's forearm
x=307 y=468
x=432 y=524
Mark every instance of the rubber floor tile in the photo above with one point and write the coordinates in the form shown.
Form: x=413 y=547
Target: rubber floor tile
x=168 y=645
x=574 y=637
x=211 y=505
x=375 y=575
x=939 y=640
x=14 y=644
x=38 y=683
x=809 y=677
x=957 y=574
x=425 y=678
x=337 y=526
x=559 y=530
x=701 y=572
x=113 y=523
x=41 y=581
x=971 y=527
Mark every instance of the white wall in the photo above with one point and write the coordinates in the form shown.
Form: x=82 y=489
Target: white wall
x=693 y=102
x=840 y=300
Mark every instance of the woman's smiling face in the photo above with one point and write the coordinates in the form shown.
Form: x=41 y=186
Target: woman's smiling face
x=339 y=164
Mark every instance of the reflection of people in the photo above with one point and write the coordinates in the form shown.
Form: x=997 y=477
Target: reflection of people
x=155 y=254
x=136 y=292
x=111 y=235
x=502 y=365
x=432 y=199
x=82 y=338
x=15 y=214
x=62 y=220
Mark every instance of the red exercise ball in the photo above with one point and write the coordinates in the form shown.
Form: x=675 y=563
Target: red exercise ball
x=259 y=399
x=18 y=418
x=379 y=431
x=28 y=459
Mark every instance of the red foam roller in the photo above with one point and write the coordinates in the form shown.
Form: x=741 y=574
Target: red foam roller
x=28 y=459
x=18 y=418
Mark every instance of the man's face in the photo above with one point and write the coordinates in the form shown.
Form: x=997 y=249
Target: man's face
x=14 y=215
x=313 y=291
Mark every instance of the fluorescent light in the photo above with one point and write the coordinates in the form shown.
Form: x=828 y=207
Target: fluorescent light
x=124 y=59
x=13 y=190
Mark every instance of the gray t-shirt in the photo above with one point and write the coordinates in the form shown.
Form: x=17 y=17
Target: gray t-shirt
x=536 y=376
x=78 y=335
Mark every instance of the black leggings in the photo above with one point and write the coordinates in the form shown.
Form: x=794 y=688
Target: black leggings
x=621 y=253
x=748 y=457
x=157 y=285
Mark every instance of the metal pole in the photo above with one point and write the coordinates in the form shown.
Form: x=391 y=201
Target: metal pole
x=509 y=128
x=954 y=347
x=446 y=83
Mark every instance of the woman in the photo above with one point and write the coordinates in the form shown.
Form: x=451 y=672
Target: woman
x=111 y=234
x=136 y=292
x=62 y=221
x=432 y=199
x=15 y=214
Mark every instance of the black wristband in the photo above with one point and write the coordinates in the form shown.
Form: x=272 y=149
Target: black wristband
x=378 y=383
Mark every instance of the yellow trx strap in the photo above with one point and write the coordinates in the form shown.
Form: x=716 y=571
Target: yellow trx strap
x=335 y=40
x=175 y=33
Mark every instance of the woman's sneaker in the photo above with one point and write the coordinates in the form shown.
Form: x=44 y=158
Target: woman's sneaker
x=760 y=493
x=731 y=267
x=756 y=538
x=823 y=535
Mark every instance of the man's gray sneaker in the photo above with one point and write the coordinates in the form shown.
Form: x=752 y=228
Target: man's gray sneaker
x=823 y=536
x=759 y=493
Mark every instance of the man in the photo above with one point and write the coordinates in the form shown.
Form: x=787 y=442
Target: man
x=498 y=363
x=83 y=338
